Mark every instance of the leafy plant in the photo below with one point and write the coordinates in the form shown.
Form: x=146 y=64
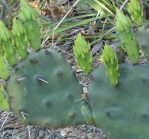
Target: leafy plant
x=103 y=7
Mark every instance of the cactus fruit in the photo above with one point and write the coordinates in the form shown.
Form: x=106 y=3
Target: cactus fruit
x=44 y=88
x=6 y=43
x=81 y=50
x=127 y=37
x=142 y=35
x=19 y=40
x=110 y=61
x=136 y=12
x=122 y=111
x=28 y=16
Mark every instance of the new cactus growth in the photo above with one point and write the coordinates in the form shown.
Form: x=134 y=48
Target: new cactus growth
x=28 y=16
x=127 y=37
x=130 y=44
x=136 y=11
x=6 y=44
x=82 y=53
x=4 y=105
x=123 y=22
x=44 y=88
x=111 y=64
x=19 y=39
x=121 y=111
x=4 y=72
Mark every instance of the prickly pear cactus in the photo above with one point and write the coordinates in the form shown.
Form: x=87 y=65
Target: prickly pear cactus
x=110 y=61
x=143 y=39
x=122 y=111
x=82 y=53
x=28 y=16
x=19 y=39
x=136 y=11
x=44 y=90
x=126 y=36
x=6 y=44
x=4 y=105
x=4 y=72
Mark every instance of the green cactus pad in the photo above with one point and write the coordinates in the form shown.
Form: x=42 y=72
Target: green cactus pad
x=44 y=89
x=122 y=111
x=143 y=39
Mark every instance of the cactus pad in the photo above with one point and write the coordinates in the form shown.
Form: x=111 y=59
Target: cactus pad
x=44 y=90
x=122 y=112
x=143 y=39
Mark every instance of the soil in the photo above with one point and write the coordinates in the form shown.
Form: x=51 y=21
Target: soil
x=11 y=129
